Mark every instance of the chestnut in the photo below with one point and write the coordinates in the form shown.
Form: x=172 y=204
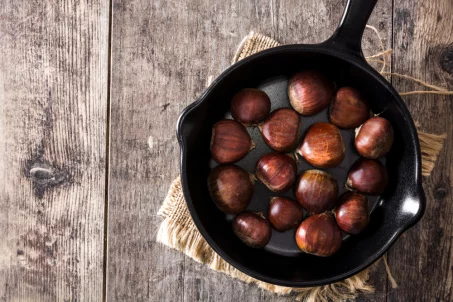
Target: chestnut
x=250 y=106
x=348 y=109
x=316 y=191
x=281 y=130
x=277 y=171
x=319 y=235
x=231 y=188
x=353 y=212
x=230 y=142
x=310 y=92
x=322 y=146
x=284 y=213
x=375 y=138
x=252 y=229
x=367 y=176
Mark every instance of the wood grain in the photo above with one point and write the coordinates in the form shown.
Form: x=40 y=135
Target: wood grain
x=53 y=106
x=422 y=260
x=53 y=125
x=163 y=53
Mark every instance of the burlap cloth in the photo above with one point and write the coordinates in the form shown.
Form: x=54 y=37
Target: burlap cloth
x=178 y=231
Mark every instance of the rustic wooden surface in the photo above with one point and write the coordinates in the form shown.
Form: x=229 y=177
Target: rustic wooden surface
x=53 y=115
x=422 y=261
x=70 y=234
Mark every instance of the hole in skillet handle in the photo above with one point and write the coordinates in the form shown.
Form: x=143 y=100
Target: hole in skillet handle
x=348 y=35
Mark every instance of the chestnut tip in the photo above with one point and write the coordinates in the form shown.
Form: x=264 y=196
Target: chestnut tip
x=253 y=178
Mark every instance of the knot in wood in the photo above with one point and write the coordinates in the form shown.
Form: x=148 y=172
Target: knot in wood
x=446 y=59
x=41 y=173
x=44 y=176
x=440 y=193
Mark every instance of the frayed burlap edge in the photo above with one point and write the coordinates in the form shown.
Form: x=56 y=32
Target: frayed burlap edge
x=179 y=232
x=251 y=44
x=430 y=145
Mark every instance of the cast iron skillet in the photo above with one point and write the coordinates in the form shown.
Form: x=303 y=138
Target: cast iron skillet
x=341 y=58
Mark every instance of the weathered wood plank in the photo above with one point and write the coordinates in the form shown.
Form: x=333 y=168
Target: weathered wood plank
x=53 y=106
x=148 y=91
x=163 y=53
x=422 y=260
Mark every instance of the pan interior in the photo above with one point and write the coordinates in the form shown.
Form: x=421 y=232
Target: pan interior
x=283 y=243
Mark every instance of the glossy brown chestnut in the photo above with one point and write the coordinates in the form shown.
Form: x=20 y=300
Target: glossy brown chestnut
x=353 y=212
x=230 y=142
x=322 y=146
x=316 y=191
x=231 y=188
x=348 y=109
x=375 y=138
x=252 y=229
x=310 y=92
x=250 y=106
x=277 y=171
x=284 y=213
x=367 y=176
x=281 y=130
x=319 y=235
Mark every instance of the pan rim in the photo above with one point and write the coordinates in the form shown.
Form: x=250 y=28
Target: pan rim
x=357 y=61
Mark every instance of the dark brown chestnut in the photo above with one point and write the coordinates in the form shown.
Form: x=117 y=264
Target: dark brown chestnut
x=230 y=142
x=322 y=146
x=310 y=92
x=231 y=188
x=353 y=212
x=250 y=106
x=316 y=191
x=252 y=229
x=319 y=235
x=367 y=176
x=281 y=130
x=277 y=171
x=375 y=138
x=348 y=109
x=284 y=213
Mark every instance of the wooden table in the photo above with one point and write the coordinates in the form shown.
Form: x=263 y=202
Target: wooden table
x=89 y=95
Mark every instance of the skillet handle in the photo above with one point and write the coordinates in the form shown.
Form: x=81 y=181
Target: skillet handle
x=348 y=35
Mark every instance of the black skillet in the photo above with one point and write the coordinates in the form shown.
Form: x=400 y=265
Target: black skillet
x=341 y=58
